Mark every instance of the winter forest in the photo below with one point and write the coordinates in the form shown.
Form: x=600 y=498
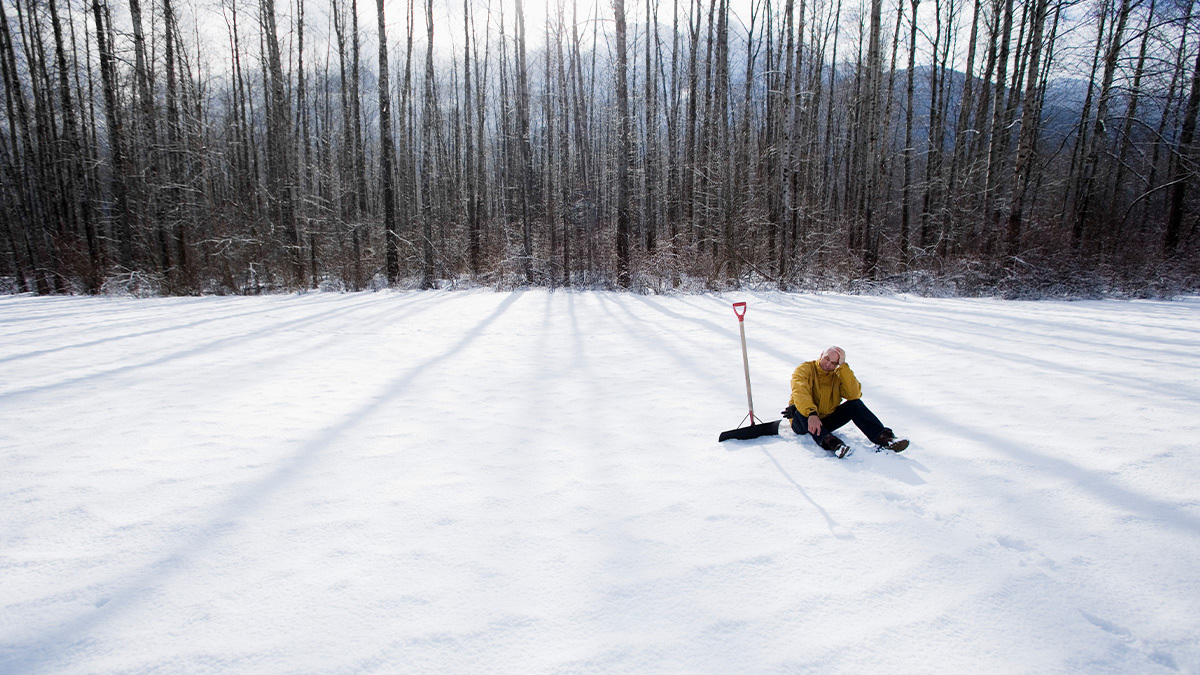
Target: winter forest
x=1022 y=147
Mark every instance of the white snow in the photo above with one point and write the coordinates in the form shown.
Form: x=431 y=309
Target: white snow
x=531 y=482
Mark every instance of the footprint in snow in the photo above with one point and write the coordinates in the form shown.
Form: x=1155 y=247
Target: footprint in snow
x=1106 y=626
x=1034 y=556
x=900 y=501
x=1153 y=653
x=1013 y=543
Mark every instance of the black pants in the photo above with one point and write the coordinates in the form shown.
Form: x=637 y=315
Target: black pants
x=849 y=411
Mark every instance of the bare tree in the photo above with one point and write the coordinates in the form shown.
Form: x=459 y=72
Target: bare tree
x=1099 y=137
x=387 y=151
x=430 y=160
x=1184 y=150
x=140 y=158
x=524 y=143
x=1030 y=128
x=624 y=147
x=906 y=189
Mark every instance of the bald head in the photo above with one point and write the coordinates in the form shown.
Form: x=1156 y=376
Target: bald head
x=831 y=358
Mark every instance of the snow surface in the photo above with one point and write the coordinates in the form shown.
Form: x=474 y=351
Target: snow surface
x=531 y=482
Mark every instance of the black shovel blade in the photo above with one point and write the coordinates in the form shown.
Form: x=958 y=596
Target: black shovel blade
x=752 y=431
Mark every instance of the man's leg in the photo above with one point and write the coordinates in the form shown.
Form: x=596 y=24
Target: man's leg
x=825 y=437
x=857 y=412
x=850 y=411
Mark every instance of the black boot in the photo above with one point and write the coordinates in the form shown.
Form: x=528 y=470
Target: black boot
x=888 y=441
x=835 y=445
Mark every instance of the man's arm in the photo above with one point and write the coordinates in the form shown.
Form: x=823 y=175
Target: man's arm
x=802 y=396
x=851 y=389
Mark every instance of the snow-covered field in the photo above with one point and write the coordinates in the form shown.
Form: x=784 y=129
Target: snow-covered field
x=531 y=482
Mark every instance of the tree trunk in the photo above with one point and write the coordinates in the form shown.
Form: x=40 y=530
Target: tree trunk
x=469 y=149
x=387 y=185
x=906 y=188
x=1126 y=135
x=868 y=154
x=21 y=153
x=1177 y=72
x=999 y=133
x=623 y=149
x=566 y=176
x=1083 y=213
x=1030 y=129
x=650 y=183
x=280 y=169
x=1172 y=235
x=430 y=163
x=524 y=146
x=960 y=138
x=174 y=156
x=78 y=209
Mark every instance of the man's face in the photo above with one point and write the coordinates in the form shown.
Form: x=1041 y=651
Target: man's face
x=830 y=360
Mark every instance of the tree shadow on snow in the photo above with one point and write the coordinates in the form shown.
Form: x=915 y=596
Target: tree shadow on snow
x=120 y=595
x=306 y=321
x=1103 y=486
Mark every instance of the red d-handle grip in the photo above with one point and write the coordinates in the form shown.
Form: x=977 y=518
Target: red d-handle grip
x=739 y=308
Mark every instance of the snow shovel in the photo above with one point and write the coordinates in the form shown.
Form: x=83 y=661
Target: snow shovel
x=757 y=426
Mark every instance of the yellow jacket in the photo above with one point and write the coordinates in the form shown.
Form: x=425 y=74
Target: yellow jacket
x=814 y=390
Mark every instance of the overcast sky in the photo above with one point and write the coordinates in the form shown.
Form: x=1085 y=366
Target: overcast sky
x=206 y=20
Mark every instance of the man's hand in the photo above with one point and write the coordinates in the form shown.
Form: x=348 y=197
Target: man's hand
x=814 y=424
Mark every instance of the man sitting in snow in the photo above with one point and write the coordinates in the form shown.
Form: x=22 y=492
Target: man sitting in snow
x=816 y=408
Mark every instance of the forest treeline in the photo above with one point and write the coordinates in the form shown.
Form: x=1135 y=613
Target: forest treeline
x=1029 y=147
